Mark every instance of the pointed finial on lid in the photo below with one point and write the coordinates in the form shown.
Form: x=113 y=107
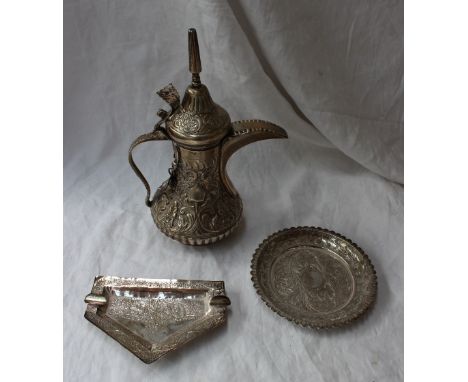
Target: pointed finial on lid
x=194 y=57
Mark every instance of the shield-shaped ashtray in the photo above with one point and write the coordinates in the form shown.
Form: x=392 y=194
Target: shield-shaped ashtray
x=151 y=317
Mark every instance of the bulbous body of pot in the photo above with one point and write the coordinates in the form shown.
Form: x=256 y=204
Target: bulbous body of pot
x=195 y=206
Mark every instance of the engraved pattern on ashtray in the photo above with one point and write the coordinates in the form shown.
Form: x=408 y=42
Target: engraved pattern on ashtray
x=309 y=279
x=155 y=309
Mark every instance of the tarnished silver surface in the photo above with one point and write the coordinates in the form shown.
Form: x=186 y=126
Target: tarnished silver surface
x=198 y=204
x=314 y=277
x=151 y=317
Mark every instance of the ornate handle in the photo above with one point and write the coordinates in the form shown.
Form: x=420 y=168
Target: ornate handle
x=157 y=135
x=171 y=96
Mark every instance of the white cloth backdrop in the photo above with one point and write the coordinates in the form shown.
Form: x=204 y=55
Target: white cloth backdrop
x=329 y=72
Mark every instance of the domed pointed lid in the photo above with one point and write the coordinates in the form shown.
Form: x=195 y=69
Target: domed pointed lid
x=198 y=122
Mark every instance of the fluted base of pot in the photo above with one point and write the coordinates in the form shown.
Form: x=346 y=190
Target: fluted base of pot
x=191 y=240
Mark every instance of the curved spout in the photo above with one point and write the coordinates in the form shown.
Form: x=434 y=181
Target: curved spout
x=245 y=132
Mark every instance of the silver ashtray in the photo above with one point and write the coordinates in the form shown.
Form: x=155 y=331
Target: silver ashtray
x=151 y=317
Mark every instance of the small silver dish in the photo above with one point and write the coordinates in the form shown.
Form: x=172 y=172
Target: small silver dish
x=314 y=277
x=153 y=317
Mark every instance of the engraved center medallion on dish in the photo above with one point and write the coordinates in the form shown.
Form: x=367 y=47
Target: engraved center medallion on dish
x=313 y=279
